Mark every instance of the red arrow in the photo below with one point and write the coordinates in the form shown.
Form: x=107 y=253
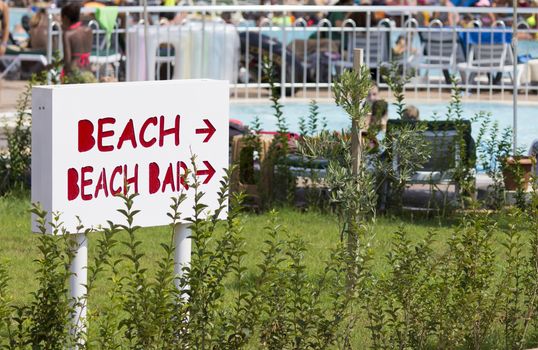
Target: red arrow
x=210 y=171
x=210 y=130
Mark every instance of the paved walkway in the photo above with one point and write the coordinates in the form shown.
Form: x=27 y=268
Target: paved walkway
x=9 y=93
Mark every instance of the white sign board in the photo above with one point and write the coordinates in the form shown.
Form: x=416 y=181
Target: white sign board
x=89 y=140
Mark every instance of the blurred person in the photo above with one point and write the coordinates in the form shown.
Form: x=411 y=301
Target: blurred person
x=311 y=18
x=373 y=94
x=376 y=126
x=487 y=19
x=281 y=19
x=401 y=47
x=403 y=53
x=463 y=3
x=337 y=19
x=165 y=17
x=450 y=19
x=467 y=21
x=523 y=3
x=360 y=18
x=373 y=139
x=77 y=40
x=38 y=31
x=411 y=114
x=417 y=15
x=379 y=116
x=4 y=27
x=371 y=100
x=533 y=152
x=501 y=3
x=531 y=20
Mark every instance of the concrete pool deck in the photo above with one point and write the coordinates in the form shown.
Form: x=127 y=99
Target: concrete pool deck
x=411 y=95
x=11 y=89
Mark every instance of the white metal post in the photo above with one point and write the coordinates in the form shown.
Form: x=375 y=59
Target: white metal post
x=514 y=78
x=182 y=253
x=50 y=21
x=146 y=38
x=78 y=281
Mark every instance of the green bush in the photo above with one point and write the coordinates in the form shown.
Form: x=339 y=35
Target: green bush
x=464 y=292
x=279 y=306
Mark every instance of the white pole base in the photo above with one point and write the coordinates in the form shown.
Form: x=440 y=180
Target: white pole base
x=182 y=252
x=78 y=281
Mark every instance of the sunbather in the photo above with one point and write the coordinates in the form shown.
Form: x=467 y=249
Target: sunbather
x=4 y=26
x=402 y=53
x=401 y=47
x=77 y=40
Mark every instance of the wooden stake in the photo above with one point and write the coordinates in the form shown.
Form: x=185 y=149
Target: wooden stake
x=356 y=135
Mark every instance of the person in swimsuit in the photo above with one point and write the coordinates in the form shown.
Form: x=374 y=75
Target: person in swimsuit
x=38 y=31
x=77 y=40
x=4 y=26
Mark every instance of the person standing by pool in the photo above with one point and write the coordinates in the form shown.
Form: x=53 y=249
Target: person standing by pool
x=373 y=94
x=4 y=26
x=77 y=40
x=411 y=114
x=533 y=152
x=376 y=127
x=38 y=31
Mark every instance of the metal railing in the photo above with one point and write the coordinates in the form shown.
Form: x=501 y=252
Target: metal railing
x=307 y=59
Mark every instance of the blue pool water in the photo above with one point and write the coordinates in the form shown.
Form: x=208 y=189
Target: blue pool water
x=337 y=119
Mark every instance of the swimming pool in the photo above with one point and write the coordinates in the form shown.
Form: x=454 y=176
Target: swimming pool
x=337 y=118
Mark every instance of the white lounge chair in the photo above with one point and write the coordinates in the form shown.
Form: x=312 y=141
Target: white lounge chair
x=440 y=50
x=490 y=59
x=103 y=52
x=375 y=45
x=443 y=139
x=11 y=60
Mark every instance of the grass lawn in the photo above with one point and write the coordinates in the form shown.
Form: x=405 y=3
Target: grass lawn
x=319 y=231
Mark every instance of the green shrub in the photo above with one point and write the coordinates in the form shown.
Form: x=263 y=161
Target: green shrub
x=280 y=188
x=277 y=306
